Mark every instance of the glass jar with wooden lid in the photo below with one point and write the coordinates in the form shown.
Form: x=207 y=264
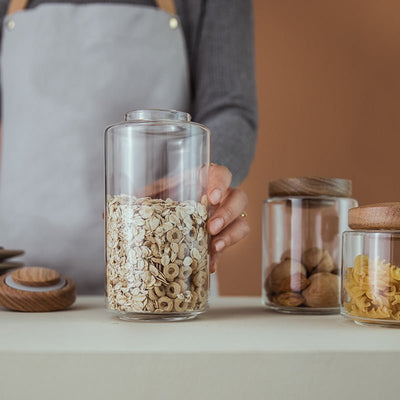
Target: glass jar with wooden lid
x=371 y=265
x=303 y=220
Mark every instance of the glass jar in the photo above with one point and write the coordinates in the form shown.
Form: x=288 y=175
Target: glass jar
x=157 y=263
x=303 y=220
x=371 y=265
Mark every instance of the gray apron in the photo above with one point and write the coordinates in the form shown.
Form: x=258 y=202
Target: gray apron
x=68 y=71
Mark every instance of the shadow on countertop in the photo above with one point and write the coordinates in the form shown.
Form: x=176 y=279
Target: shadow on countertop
x=225 y=313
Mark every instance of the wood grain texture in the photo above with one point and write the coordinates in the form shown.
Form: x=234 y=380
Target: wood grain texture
x=310 y=186
x=18 y=300
x=375 y=216
x=36 y=276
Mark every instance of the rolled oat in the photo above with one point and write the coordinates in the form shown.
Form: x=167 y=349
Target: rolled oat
x=157 y=255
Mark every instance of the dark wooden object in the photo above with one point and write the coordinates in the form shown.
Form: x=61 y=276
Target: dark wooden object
x=5 y=253
x=5 y=263
x=310 y=186
x=10 y=264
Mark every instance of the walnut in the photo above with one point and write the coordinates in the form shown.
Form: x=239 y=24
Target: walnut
x=294 y=254
x=312 y=257
x=323 y=290
x=282 y=271
x=289 y=299
x=267 y=283
x=286 y=255
x=326 y=264
x=294 y=283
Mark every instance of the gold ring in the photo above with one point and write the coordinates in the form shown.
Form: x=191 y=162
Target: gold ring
x=213 y=165
x=243 y=214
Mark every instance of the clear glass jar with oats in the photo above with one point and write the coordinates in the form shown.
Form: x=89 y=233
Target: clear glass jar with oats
x=157 y=263
x=303 y=220
x=371 y=265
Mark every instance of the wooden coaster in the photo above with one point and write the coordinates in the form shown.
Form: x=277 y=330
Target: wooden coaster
x=375 y=216
x=36 y=289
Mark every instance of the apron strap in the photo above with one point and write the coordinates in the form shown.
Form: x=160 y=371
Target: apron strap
x=16 y=5
x=167 y=5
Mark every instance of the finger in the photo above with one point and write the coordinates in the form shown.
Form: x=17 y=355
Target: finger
x=167 y=186
x=214 y=262
x=230 y=209
x=164 y=187
x=219 y=180
x=235 y=232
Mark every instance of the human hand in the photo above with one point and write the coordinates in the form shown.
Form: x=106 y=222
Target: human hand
x=226 y=224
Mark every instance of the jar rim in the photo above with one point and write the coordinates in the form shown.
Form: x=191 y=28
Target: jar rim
x=174 y=129
x=157 y=114
x=373 y=232
x=306 y=197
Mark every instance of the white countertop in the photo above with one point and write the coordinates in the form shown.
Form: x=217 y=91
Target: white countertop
x=236 y=350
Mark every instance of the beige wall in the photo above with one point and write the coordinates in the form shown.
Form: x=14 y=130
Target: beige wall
x=329 y=103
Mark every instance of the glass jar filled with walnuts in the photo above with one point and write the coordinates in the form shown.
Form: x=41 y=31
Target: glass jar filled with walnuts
x=303 y=220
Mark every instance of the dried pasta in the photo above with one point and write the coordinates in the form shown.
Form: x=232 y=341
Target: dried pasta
x=373 y=289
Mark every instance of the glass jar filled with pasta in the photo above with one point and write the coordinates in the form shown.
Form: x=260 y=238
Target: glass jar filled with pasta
x=371 y=265
x=303 y=220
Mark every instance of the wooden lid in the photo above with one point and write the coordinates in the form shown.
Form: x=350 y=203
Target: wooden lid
x=375 y=216
x=36 y=289
x=36 y=276
x=310 y=186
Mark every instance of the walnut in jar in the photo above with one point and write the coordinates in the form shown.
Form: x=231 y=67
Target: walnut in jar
x=311 y=284
x=323 y=290
x=282 y=272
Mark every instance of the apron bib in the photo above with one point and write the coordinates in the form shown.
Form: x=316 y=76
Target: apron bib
x=67 y=72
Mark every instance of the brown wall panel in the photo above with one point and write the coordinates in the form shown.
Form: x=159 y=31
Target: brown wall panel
x=329 y=103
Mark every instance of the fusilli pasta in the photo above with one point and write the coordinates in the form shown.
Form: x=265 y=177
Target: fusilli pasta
x=373 y=289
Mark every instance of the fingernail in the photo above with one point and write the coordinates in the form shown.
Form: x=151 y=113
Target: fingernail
x=215 y=196
x=219 y=245
x=216 y=225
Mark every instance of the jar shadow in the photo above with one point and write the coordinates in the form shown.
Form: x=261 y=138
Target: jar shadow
x=224 y=313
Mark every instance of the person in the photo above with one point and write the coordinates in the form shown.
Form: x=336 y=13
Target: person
x=70 y=68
